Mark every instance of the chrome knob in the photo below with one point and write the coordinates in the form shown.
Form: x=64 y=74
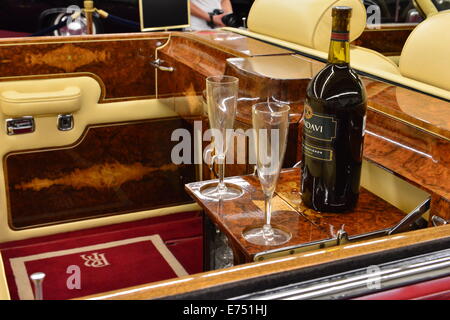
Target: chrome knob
x=244 y=22
x=37 y=279
x=438 y=221
x=342 y=236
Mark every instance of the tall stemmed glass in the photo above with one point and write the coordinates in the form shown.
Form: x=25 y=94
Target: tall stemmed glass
x=270 y=125
x=221 y=95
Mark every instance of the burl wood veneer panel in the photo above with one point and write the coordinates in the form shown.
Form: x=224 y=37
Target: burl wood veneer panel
x=441 y=207
x=193 y=62
x=414 y=108
x=113 y=169
x=122 y=65
x=371 y=213
x=198 y=55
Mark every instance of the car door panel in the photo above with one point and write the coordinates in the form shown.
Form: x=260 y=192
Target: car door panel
x=115 y=164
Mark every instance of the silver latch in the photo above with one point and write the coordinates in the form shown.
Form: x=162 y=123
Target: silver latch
x=65 y=122
x=20 y=125
x=158 y=64
x=342 y=236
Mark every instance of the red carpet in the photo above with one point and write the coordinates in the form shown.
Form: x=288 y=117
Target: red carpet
x=105 y=259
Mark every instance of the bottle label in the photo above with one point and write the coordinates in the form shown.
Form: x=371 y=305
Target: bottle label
x=340 y=36
x=319 y=126
x=317 y=153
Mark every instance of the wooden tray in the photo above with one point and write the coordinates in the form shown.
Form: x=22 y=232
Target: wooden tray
x=310 y=229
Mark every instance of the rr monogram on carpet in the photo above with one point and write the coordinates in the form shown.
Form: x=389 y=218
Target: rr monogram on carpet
x=96 y=260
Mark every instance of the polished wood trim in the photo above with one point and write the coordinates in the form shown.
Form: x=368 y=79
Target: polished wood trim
x=257 y=269
x=393 y=26
x=85 y=38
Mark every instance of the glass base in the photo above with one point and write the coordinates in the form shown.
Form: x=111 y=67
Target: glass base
x=267 y=236
x=212 y=192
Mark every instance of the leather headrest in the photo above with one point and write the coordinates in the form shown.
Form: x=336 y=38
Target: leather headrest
x=426 y=54
x=304 y=22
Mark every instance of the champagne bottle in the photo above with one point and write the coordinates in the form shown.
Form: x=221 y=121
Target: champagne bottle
x=333 y=127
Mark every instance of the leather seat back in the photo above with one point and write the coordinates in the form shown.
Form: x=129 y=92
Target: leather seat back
x=304 y=22
x=426 y=54
x=426 y=7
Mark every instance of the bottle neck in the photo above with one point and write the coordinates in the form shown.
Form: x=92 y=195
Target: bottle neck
x=339 y=52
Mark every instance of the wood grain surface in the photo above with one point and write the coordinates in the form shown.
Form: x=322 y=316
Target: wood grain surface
x=111 y=170
x=121 y=64
x=387 y=39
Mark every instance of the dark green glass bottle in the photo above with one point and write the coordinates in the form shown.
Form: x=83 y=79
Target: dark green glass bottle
x=333 y=127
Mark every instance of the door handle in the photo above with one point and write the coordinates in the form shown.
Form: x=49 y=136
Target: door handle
x=158 y=64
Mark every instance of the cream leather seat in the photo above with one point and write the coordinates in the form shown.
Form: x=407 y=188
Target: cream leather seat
x=308 y=23
x=426 y=54
x=305 y=26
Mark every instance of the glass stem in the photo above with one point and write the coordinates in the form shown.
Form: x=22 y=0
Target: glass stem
x=221 y=162
x=267 y=228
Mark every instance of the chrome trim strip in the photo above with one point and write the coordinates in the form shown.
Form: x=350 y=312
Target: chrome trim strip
x=360 y=282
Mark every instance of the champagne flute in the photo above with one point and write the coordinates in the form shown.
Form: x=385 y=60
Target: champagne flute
x=221 y=95
x=270 y=125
